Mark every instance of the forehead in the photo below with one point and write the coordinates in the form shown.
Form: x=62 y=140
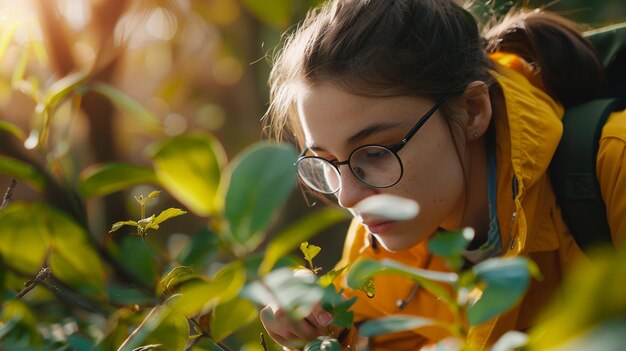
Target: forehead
x=329 y=116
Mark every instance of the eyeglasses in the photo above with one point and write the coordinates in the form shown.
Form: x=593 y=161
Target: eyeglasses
x=375 y=165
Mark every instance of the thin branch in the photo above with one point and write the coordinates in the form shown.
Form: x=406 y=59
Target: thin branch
x=8 y=195
x=65 y=294
x=263 y=344
x=203 y=334
x=31 y=284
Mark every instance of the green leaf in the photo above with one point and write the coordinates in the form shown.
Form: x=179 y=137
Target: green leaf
x=190 y=167
x=230 y=317
x=362 y=270
x=288 y=240
x=114 y=177
x=120 y=224
x=22 y=171
x=451 y=245
x=394 y=324
x=73 y=260
x=153 y=195
x=339 y=307
x=13 y=130
x=164 y=326
x=128 y=105
x=276 y=13
x=138 y=257
x=201 y=247
x=506 y=280
x=5 y=39
x=309 y=250
x=329 y=277
x=28 y=233
x=225 y=286
x=24 y=237
x=62 y=87
x=262 y=178
x=297 y=295
x=167 y=214
x=20 y=67
x=175 y=277
x=323 y=343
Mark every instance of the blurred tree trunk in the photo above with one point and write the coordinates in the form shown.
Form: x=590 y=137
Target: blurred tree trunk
x=99 y=110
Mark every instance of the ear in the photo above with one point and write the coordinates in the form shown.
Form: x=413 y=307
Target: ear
x=477 y=103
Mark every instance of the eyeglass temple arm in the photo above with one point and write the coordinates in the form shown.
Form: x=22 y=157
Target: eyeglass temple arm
x=420 y=123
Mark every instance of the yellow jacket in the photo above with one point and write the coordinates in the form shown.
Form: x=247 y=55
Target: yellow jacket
x=530 y=222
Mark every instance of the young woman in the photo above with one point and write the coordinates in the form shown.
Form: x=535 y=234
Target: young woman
x=406 y=97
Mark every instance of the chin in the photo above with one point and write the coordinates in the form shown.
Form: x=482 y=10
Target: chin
x=393 y=244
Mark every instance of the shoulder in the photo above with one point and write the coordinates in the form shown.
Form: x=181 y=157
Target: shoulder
x=615 y=127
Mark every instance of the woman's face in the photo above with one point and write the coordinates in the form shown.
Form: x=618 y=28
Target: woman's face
x=335 y=123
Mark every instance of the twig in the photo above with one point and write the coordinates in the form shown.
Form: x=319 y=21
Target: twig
x=9 y=194
x=203 y=334
x=31 y=284
x=63 y=292
x=263 y=344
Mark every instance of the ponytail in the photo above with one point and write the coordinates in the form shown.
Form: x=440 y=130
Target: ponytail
x=568 y=64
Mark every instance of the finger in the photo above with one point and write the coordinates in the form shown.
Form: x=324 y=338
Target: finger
x=276 y=331
x=303 y=329
x=320 y=317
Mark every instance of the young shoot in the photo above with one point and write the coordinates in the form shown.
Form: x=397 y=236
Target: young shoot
x=146 y=223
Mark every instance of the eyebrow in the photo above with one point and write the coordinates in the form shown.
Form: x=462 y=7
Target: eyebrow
x=362 y=134
x=370 y=130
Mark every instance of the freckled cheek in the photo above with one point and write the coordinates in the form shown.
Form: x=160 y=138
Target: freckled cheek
x=433 y=178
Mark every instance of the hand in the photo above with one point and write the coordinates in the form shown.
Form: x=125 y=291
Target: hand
x=291 y=333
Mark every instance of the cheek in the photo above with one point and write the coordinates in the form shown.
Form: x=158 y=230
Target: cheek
x=434 y=178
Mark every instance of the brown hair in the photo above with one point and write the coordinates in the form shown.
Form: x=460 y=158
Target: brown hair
x=421 y=47
x=568 y=65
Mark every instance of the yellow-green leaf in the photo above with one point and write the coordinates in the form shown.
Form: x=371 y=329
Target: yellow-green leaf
x=309 y=250
x=174 y=277
x=167 y=214
x=231 y=316
x=13 y=129
x=5 y=40
x=24 y=237
x=30 y=233
x=120 y=224
x=189 y=167
x=153 y=195
x=130 y=106
x=22 y=171
x=20 y=68
x=62 y=87
x=199 y=296
x=288 y=240
x=112 y=177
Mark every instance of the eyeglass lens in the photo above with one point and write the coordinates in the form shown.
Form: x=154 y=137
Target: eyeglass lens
x=373 y=165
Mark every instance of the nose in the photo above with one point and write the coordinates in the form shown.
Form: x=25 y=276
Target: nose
x=352 y=190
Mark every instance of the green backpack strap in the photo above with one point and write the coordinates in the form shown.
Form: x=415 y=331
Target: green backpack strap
x=573 y=172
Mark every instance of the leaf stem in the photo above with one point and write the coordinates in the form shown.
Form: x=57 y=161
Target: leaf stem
x=263 y=344
x=9 y=194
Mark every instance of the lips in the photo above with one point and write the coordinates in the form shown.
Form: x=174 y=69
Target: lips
x=379 y=227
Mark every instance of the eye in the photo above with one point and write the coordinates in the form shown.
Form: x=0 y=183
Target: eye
x=376 y=153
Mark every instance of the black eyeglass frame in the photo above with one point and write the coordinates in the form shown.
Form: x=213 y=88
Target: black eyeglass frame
x=394 y=149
